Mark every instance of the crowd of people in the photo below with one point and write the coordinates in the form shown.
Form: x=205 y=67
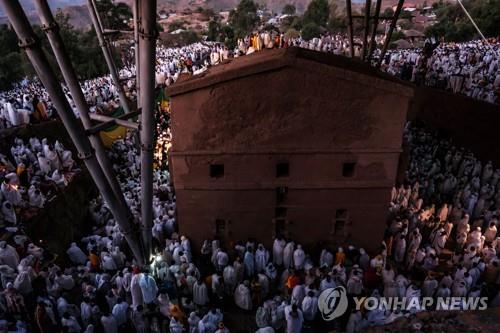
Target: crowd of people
x=441 y=240
x=32 y=172
x=471 y=69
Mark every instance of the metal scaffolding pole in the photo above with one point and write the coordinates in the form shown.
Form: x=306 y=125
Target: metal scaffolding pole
x=350 y=31
x=94 y=16
x=29 y=42
x=389 y=33
x=147 y=49
x=51 y=29
x=366 y=27
x=136 y=45
x=373 y=42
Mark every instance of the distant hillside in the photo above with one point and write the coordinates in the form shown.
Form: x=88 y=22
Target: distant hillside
x=79 y=16
x=76 y=9
x=274 y=5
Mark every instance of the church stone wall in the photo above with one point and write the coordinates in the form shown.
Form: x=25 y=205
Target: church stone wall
x=312 y=116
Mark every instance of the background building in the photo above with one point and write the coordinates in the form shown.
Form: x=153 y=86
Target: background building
x=287 y=141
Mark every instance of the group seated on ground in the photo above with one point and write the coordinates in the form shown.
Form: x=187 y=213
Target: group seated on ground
x=31 y=173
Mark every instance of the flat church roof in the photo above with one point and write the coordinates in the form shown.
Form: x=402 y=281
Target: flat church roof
x=275 y=59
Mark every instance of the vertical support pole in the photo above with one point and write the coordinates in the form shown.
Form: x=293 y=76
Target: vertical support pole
x=51 y=29
x=373 y=42
x=136 y=45
x=350 y=31
x=147 y=49
x=28 y=41
x=366 y=28
x=389 y=33
x=94 y=16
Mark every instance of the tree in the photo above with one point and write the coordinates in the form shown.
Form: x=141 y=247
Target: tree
x=406 y=15
x=453 y=24
x=214 y=29
x=310 y=30
x=337 y=21
x=221 y=33
x=317 y=12
x=388 y=12
x=244 y=18
x=176 y=25
x=289 y=9
x=114 y=15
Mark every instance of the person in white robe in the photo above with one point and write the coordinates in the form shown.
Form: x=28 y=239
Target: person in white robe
x=136 y=290
x=58 y=178
x=299 y=257
x=278 y=248
x=200 y=293
x=107 y=262
x=138 y=320
x=36 y=198
x=86 y=311
x=8 y=255
x=261 y=258
x=109 y=323
x=491 y=233
x=229 y=278
x=242 y=296
x=326 y=258
x=267 y=329
x=23 y=283
x=193 y=321
x=294 y=319
x=327 y=282
x=222 y=259
x=355 y=323
x=120 y=312
x=309 y=306
x=175 y=326
x=72 y=324
x=249 y=263
x=355 y=282
x=429 y=286
x=65 y=281
x=76 y=254
x=10 y=191
x=164 y=304
x=288 y=255
x=148 y=288
x=364 y=259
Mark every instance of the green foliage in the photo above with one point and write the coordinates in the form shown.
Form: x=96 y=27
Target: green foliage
x=406 y=15
x=213 y=30
x=291 y=22
x=244 y=18
x=270 y=27
x=317 y=12
x=296 y=23
x=453 y=24
x=114 y=15
x=228 y=37
x=310 y=30
x=388 y=12
x=337 y=20
x=289 y=9
x=221 y=33
x=82 y=47
x=10 y=58
x=176 y=25
x=397 y=35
